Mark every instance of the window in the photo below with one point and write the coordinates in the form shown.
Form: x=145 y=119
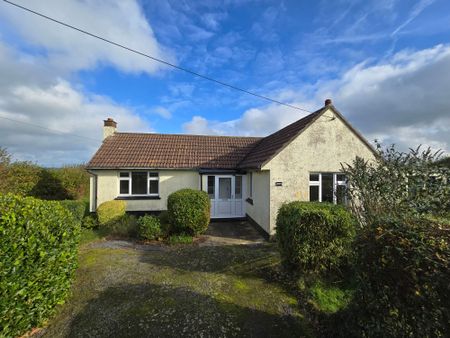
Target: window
x=250 y=185
x=211 y=186
x=238 y=187
x=328 y=187
x=139 y=183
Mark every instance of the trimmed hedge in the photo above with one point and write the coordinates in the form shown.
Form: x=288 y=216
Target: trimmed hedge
x=149 y=227
x=314 y=237
x=78 y=208
x=110 y=212
x=38 y=258
x=189 y=211
x=403 y=270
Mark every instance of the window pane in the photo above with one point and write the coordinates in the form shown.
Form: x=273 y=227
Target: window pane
x=327 y=188
x=314 y=193
x=153 y=174
x=124 y=174
x=153 y=187
x=124 y=186
x=314 y=177
x=340 y=194
x=238 y=187
x=139 y=183
x=211 y=183
x=250 y=185
x=340 y=177
x=224 y=188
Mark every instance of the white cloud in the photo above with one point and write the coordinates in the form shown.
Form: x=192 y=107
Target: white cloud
x=31 y=95
x=163 y=112
x=120 y=21
x=402 y=100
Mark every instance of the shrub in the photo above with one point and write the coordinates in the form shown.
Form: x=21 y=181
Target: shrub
x=110 y=212
x=125 y=226
x=403 y=279
x=189 y=211
x=79 y=208
x=180 y=239
x=89 y=222
x=38 y=257
x=399 y=185
x=149 y=227
x=314 y=237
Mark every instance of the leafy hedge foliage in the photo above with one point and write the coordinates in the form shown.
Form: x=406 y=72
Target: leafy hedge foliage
x=110 y=212
x=79 y=208
x=314 y=237
x=189 y=211
x=149 y=227
x=403 y=269
x=38 y=257
x=89 y=222
x=27 y=179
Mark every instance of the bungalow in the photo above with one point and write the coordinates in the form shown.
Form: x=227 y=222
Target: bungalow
x=243 y=176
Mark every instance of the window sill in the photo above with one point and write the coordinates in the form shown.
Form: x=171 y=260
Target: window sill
x=249 y=200
x=138 y=198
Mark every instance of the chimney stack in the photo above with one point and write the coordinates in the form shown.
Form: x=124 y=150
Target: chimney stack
x=109 y=127
x=328 y=102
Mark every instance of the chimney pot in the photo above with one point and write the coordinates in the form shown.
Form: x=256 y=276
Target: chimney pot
x=328 y=102
x=109 y=122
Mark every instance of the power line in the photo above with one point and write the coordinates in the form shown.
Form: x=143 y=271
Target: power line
x=156 y=59
x=55 y=131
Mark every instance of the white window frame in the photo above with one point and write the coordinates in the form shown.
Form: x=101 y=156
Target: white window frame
x=336 y=183
x=130 y=182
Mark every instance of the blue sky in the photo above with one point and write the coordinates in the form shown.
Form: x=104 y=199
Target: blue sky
x=384 y=63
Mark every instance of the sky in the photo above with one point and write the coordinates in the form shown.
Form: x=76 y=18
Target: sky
x=384 y=63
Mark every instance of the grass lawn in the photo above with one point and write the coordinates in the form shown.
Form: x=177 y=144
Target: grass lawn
x=185 y=290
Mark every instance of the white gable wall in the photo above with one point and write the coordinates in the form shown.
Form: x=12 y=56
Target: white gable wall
x=322 y=147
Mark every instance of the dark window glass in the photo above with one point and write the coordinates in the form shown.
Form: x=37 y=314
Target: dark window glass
x=314 y=193
x=124 y=186
x=124 y=174
x=153 y=187
x=211 y=182
x=139 y=183
x=340 y=177
x=250 y=190
x=327 y=188
x=314 y=177
x=238 y=187
x=340 y=194
x=153 y=174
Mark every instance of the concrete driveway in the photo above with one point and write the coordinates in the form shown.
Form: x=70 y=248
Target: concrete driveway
x=232 y=233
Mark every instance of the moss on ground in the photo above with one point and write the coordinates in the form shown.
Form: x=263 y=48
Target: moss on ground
x=180 y=291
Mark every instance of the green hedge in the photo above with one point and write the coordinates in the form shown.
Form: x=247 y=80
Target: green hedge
x=149 y=227
x=189 y=211
x=78 y=208
x=403 y=270
x=110 y=212
x=38 y=257
x=314 y=237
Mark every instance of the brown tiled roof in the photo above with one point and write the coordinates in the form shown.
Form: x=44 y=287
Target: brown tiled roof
x=138 y=150
x=164 y=151
x=269 y=146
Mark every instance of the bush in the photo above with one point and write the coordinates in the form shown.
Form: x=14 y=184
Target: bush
x=180 y=239
x=38 y=257
x=189 y=211
x=89 y=222
x=110 y=212
x=314 y=237
x=79 y=208
x=403 y=279
x=149 y=227
x=125 y=226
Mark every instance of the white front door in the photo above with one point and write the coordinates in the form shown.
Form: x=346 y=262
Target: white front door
x=227 y=201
